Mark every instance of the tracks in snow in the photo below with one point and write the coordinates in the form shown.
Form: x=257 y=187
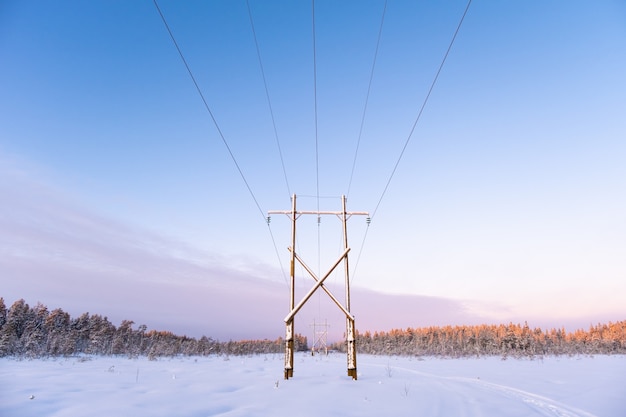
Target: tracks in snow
x=545 y=406
x=471 y=389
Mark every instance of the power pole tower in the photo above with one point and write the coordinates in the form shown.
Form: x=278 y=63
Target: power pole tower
x=319 y=283
x=320 y=337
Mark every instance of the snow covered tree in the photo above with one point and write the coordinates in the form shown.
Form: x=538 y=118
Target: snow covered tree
x=101 y=333
x=3 y=313
x=79 y=333
x=123 y=338
x=8 y=340
x=60 y=340
x=35 y=335
x=14 y=328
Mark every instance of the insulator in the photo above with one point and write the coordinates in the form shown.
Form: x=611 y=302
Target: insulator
x=269 y=219
x=368 y=220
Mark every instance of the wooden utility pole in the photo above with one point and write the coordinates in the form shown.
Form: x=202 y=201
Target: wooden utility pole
x=344 y=215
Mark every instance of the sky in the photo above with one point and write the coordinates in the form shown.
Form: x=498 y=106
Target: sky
x=120 y=195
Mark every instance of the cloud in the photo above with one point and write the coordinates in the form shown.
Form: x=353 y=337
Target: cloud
x=55 y=251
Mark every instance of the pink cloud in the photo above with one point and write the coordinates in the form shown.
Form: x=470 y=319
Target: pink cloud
x=63 y=255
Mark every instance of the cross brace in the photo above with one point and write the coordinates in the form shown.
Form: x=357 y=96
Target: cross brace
x=318 y=283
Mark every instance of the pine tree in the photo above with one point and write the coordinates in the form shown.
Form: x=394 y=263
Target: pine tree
x=3 y=313
x=60 y=337
x=34 y=338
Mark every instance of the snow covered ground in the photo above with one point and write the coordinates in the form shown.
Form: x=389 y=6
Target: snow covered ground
x=254 y=386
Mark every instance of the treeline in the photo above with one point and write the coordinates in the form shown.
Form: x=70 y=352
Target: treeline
x=503 y=340
x=35 y=332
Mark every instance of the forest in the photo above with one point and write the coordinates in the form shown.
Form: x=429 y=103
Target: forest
x=504 y=340
x=35 y=332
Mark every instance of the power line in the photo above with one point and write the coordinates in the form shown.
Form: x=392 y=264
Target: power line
x=267 y=95
x=408 y=139
x=317 y=164
x=419 y=114
x=206 y=106
x=358 y=258
x=280 y=153
x=225 y=142
x=208 y=109
x=282 y=269
x=369 y=87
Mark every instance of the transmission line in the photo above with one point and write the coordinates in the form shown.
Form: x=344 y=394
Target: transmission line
x=267 y=95
x=419 y=115
x=367 y=96
x=280 y=153
x=232 y=156
x=421 y=110
x=317 y=163
x=208 y=109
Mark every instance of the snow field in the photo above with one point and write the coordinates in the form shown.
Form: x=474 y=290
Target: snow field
x=254 y=386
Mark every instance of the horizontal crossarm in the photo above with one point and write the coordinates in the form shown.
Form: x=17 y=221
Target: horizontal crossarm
x=320 y=213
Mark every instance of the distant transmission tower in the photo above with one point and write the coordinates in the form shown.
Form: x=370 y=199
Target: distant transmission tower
x=320 y=337
x=319 y=283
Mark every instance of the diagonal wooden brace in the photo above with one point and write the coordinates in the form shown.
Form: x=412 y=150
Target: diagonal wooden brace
x=315 y=287
x=341 y=307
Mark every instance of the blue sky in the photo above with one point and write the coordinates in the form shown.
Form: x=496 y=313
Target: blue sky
x=508 y=202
